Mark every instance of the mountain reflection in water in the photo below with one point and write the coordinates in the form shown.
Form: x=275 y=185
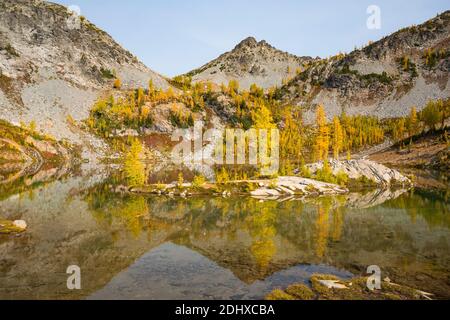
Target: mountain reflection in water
x=137 y=247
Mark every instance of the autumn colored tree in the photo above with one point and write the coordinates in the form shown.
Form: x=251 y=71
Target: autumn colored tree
x=233 y=87
x=413 y=123
x=360 y=131
x=117 y=83
x=261 y=116
x=444 y=109
x=430 y=115
x=338 y=138
x=134 y=169
x=256 y=91
x=292 y=136
x=291 y=140
x=405 y=63
x=180 y=180
x=399 y=130
x=151 y=86
x=140 y=97
x=170 y=94
x=322 y=139
x=222 y=176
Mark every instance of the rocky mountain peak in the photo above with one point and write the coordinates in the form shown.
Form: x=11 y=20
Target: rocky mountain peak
x=248 y=42
x=251 y=43
x=250 y=62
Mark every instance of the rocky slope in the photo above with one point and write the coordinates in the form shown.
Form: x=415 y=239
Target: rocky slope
x=385 y=78
x=54 y=64
x=250 y=62
x=428 y=151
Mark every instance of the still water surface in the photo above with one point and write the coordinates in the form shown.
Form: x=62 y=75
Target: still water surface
x=148 y=247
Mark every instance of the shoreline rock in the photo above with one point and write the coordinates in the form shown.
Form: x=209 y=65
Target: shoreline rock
x=363 y=168
x=286 y=186
x=330 y=287
x=362 y=174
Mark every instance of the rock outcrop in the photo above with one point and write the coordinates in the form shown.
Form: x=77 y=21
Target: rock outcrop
x=357 y=169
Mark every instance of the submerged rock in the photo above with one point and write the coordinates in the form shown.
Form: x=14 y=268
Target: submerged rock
x=17 y=226
x=21 y=224
x=357 y=169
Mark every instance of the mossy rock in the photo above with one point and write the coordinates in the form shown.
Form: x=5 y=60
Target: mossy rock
x=391 y=296
x=400 y=290
x=279 y=295
x=356 y=289
x=301 y=291
x=322 y=291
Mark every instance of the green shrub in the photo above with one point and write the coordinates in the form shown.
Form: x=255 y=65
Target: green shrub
x=325 y=174
x=11 y=50
x=305 y=172
x=107 y=74
x=181 y=121
x=342 y=178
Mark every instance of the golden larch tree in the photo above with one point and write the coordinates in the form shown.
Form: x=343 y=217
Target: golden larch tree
x=338 y=138
x=322 y=141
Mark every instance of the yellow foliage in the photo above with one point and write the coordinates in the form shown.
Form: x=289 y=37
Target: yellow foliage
x=180 y=179
x=117 y=83
x=291 y=140
x=198 y=181
x=338 y=138
x=134 y=169
x=222 y=176
x=322 y=142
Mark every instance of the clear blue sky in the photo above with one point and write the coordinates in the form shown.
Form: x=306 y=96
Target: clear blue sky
x=175 y=36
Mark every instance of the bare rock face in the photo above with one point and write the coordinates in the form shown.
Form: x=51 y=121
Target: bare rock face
x=356 y=169
x=250 y=62
x=54 y=64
